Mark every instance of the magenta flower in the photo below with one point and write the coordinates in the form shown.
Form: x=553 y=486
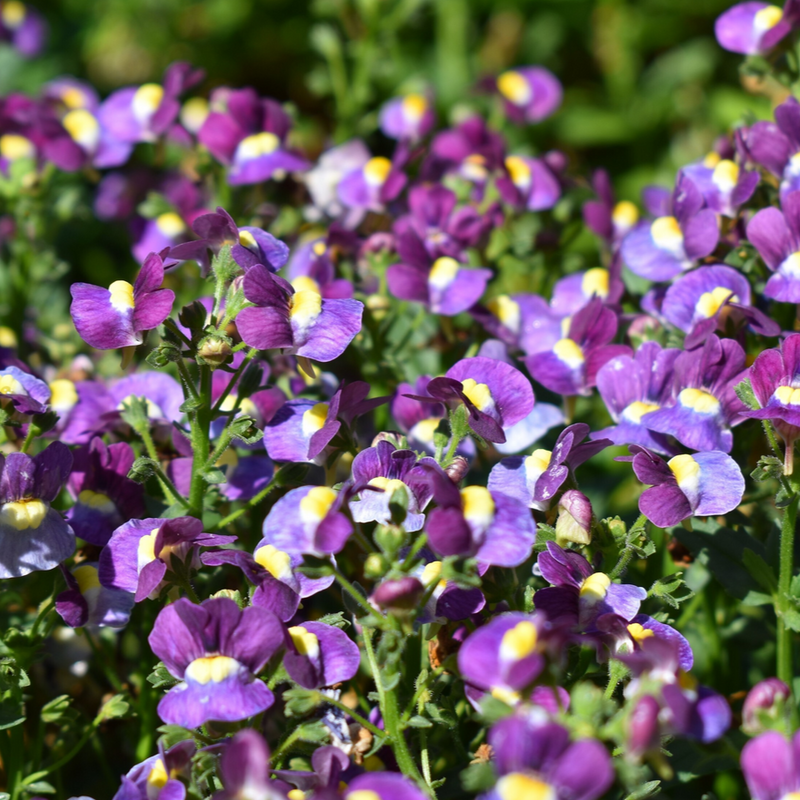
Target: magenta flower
x=118 y=316
x=407 y=118
x=771 y=766
x=529 y=184
x=754 y=28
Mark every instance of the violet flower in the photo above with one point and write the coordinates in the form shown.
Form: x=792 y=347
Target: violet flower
x=609 y=220
x=530 y=94
x=382 y=786
x=23 y=392
x=535 y=479
x=471 y=150
x=571 y=366
x=529 y=184
x=320 y=655
x=539 y=760
x=23 y=27
x=443 y=285
x=371 y=186
x=706 y=405
x=703 y=484
x=216 y=650
x=118 y=316
x=408 y=118
x=573 y=292
x=753 y=27
x=312 y=265
x=33 y=536
x=723 y=184
x=302 y=323
x=771 y=766
x=249 y=137
x=158 y=777
x=86 y=603
x=244 y=769
x=683 y=232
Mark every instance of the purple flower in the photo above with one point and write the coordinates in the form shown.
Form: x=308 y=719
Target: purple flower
x=104 y=495
x=571 y=366
x=539 y=760
x=449 y=601
x=302 y=323
x=87 y=603
x=535 y=479
x=388 y=470
x=754 y=28
x=706 y=405
x=531 y=94
x=609 y=220
x=322 y=181
x=159 y=777
x=776 y=236
x=771 y=766
x=142 y=114
x=765 y=704
x=703 y=484
x=24 y=392
x=505 y=656
x=249 y=137
x=116 y=317
x=320 y=655
x=407 y=118
x=474 y=521
x=275 y=566
x=496 y=394
x=722 y=183
x=633 y=386
x=382 y=786
x=33 y=536
x=471 y=150
x=442 y=285
x=705 y=300
x=23 y=27
x=312 y=265
x=141 y=552
x=572 y=293
x=308 y=520
x=371 y=186
x=216 y=650
x=775 y=377
x=522 y=321
x=530 y=184
x=623 y=636
x=244 y=769
x=683 y=232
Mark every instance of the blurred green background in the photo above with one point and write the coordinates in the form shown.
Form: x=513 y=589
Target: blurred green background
x=647 y=87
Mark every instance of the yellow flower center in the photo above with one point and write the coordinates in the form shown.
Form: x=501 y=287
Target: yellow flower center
x=595 y=587
x=63 y=395
x=13 y=147
x=478 y=394
x=625 y=214
x=537 y=462
x=667 y=234
x=315 y=505
x=305 y=642
x=258 y=144
x=726 y=175
x=10 y=385
x=637 y=409
x=710 y=302
x=211 y=669
x=477 y=505
x=7 y=337
x=686 y=471
x=414 y=107
x=83 y=127
x=97 y=500
x=519 y=642
x=146 y=101
x=305 y=284
x=519 y=786
x=314 y=418
x=377 y=170
x=194 y=113
x=274 y=561
x=515 y=88
x=86 y=575
x=767 y=18
x=569 y=352
x=519 y=171
x=158 y=776
x=13 y=14
x=507 y=311
x=304 y=307
x=595 y=281
x=443 y=272
x=638 y=632
x=788 y=395
x=700 y=401
x=170 y=224
x=121 y=295
x=363 y=794
x=23 y=514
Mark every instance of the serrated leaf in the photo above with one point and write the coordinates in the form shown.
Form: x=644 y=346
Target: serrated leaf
x=645 y=790
x=744 y=391
x=478 y=777
x=161 y=677
x=55 y=709
x=791 y=618
x=116 y=707
x=336 y=620
x=768 y=467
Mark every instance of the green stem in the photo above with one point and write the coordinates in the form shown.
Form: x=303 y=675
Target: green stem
x=37 y=776
x=354 y=593
x=167 y=486
x=33 y=432
x=363 y=721
x=232 y=382
x=391 y=717
x=233 y=516
x=188 y=383
x=201 y=425
x=784 y=670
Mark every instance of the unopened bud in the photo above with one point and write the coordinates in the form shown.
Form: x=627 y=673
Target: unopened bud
x=375 y=566
x=574 y=522
x=764 y=704
x=393 y=437
x=457 y=469
x=403 y=593
x=193 y=316
x=214 y=351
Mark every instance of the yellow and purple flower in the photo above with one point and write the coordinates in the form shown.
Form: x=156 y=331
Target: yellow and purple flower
x=407 y=118
x=87 y=603
x=371 y=186
x=319 y=655
x=609 y=220
x=217 y=651
x=530 y=94
x=23 y=392
x=118 y=316
x=529 y=183
x=23 y=27
x=159 y=777
x=33 y=536
x=723 y=184
x=754 y=27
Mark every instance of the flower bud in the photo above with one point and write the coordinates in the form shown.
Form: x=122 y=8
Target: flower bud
x=764 y=704
x=403 y=593
x=643 y=728
x=193 y=316
x=375 y=566
x=574 y=522
x=393 y=437
x=457 y=469
x=214 y=351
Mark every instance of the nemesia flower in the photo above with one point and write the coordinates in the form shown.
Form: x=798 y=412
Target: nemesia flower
x=23 y=27
x=320 y=655
x=381 y=786
x=496 y=394
x=301 y=322
x=244 y=769
x=443 y=285
x=142 y=114
x=22 y=392
x=162 y=393
x=530 y=184
x=705 y=299
x=521 y=321
x=531 y=94
x=766 y=703
x=308 y=520
x=370 y=186
x=535 y=761
x=87 y=603
x=723 y=184
x=494 y=528
x=388 y=469
x=506 y=655
x=248 y=135
x=633 y=386
x=407 y=118
x=471 y=151
x=449 y=601
x=216 y=650
x=771 y=766
x=607 y=219
x=159 y=776
x=683 y=232
x=313 y=264
x=705 y=406
x=622 y=635
x=703 y=484
x=535 y=479
x=283 y=568
x=141 y=552
x=33 y=536
x=323 y=179
x=571 y=366
x=754 y=28
x=104 y=495
x=572 y=293
x=325 y=778
x=776 y=236
x=118 y=316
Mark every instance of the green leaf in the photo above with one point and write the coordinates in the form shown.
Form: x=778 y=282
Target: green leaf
x=56 y=709
x=172 y=734
x=478 y=777
x=645 y=790
x=418 y=721
x=40 y=787
x=115 y=707
x=791 y=618
x=744 y=391
x=760 y=570
x=160 y=677
x=300 y=702
x=768 y=467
